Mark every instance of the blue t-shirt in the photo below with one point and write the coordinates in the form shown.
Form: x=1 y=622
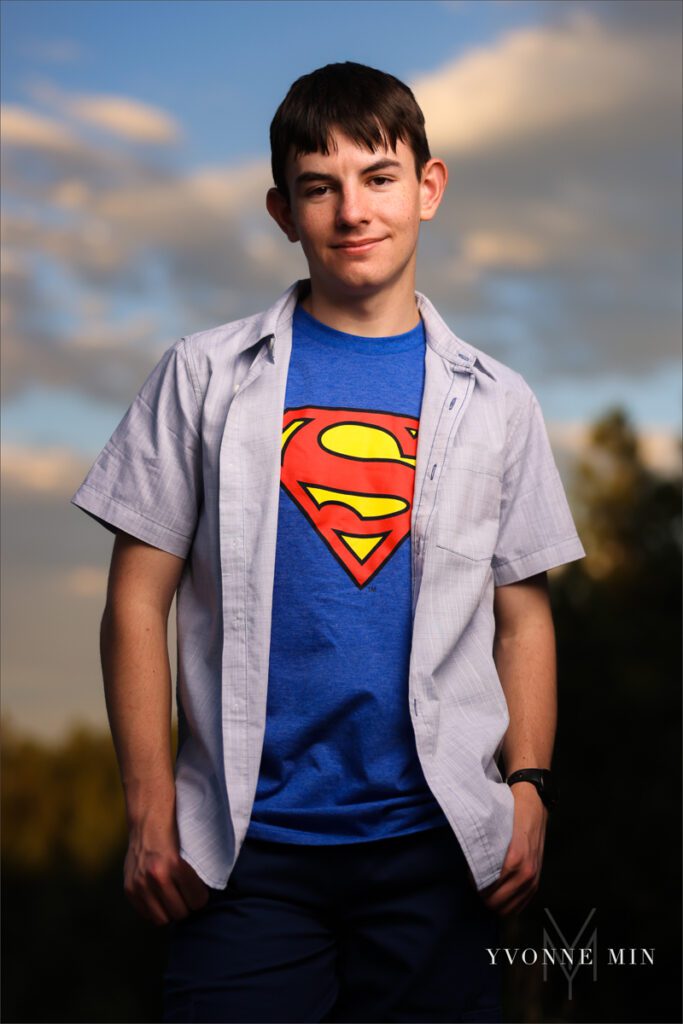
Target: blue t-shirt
x=339 y=761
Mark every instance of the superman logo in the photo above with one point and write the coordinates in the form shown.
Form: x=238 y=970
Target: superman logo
x=352 y=472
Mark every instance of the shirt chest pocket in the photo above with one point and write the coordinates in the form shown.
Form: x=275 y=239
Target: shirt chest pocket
x=468 y=502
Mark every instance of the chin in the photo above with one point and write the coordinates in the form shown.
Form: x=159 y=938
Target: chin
x=363 y=286
x=362 y=279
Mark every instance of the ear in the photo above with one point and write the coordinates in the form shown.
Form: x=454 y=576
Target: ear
x=279 y=210
x=432 y=187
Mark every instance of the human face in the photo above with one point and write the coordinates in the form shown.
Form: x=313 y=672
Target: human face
x=357 y=214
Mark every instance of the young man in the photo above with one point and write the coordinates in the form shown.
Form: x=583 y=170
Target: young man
x=357 y=510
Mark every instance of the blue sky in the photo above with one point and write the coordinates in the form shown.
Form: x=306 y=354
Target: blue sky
x=134 y=169
x=223 y=67
x=218 y=70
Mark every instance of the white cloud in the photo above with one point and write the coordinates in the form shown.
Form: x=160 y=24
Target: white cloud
x=55 y=567
x=123 y=116
x=86 y=581
x=41 y=471
x=541 y=81
x=660 y=449
x=26 y=128
x=492 y=249
x=562 y=215
x=13 y=264
x=41 y=153
x=165 y=209
x=560 y=223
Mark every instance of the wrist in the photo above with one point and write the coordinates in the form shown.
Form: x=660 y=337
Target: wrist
x=526 y=792
x=540 y=779
x=150 y=801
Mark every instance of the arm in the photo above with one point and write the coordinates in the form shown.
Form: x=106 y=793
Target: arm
x=524 y=653
x=137 y=682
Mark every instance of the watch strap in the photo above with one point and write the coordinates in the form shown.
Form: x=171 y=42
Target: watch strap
x=542 y=779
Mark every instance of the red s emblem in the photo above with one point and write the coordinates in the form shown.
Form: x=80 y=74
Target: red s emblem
x=352 y=473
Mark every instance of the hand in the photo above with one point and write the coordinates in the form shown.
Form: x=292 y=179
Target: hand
x=521 y=871
x=159 y=884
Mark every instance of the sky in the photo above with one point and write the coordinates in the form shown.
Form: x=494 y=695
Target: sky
x=135 y=164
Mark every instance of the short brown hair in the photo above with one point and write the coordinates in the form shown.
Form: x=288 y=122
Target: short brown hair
x=372 y=107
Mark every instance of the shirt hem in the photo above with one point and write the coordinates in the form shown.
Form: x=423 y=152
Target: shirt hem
x=205 y=877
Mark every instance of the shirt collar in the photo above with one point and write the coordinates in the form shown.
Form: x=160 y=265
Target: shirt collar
x=439 y=336
x=446 y=343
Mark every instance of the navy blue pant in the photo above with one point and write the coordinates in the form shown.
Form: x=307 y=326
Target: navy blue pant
x=378 y=931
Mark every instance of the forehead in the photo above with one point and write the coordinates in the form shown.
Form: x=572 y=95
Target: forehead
x=344 y=153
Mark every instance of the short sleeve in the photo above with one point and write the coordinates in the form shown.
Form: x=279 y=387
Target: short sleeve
x=146 y=480
x=537 y=531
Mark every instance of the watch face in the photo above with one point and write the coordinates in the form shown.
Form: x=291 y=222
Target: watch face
x=548 y=789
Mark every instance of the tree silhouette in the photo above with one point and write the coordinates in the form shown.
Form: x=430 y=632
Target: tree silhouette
x=614 y=841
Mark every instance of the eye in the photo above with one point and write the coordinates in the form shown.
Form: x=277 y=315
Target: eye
x=380 y=179
x=319 y=190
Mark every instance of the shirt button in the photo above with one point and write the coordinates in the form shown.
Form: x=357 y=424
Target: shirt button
x=236 y=389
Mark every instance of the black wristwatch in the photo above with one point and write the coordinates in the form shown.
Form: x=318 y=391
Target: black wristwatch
x=542 y=779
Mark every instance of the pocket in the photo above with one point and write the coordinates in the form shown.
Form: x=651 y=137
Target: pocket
x=214 y=896
x=468 y=502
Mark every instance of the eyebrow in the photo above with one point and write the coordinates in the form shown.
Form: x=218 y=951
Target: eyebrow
x=379 y=165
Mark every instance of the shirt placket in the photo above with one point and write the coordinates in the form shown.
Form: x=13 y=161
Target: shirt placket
x=445 y=399
x=249 y=467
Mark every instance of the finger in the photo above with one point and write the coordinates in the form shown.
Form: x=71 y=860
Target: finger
x=518 y=898
x=515 y=906
x=498 y=892
x=193 y=890
x=147 y=906
x=163 y=889
x=512 y=865
x=156 y=910
x=504 y=877
x=506 y=893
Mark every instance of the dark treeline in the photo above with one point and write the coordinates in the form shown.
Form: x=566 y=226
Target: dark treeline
x=74 y=951
x=614 y=843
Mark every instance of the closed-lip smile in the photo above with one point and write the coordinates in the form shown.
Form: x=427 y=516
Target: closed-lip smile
x=357 y=243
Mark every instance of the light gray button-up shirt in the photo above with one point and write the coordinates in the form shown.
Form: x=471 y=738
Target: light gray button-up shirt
x=194 y=469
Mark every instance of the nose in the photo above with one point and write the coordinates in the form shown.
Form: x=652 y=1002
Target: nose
x=352 y=207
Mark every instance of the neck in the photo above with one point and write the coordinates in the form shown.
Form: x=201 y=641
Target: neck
x=378 y=314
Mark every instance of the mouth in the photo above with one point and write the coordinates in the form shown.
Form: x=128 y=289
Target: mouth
x=357 y=245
